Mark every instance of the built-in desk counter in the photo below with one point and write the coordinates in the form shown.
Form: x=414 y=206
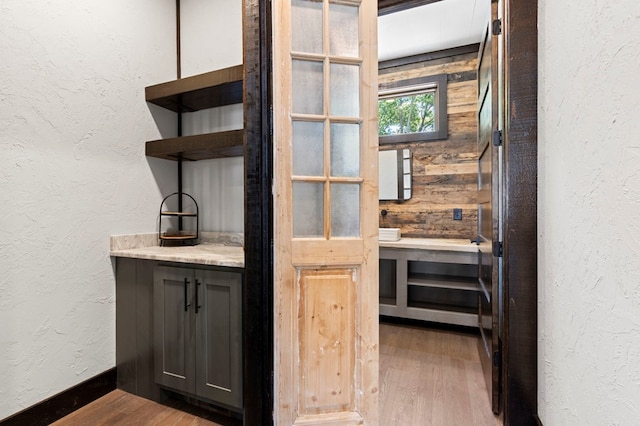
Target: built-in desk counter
x=430 y=279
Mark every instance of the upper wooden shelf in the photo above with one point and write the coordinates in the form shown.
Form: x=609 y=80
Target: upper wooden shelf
x=198 y=147
x=208 y=90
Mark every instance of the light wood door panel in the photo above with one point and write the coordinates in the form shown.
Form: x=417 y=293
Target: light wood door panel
x=325 y=203
x=327 y=355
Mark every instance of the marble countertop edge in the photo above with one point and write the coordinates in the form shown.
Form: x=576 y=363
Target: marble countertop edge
x=440 y=244
x=216 y=249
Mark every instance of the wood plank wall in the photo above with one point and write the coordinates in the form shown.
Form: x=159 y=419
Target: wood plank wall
x=444 y=171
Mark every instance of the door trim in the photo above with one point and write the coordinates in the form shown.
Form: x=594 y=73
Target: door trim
x=520 y=298
x=257 y=293
x=520 y=345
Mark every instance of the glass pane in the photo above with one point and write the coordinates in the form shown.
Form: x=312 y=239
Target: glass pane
x=307 y=87
x=308 y=209
x=345 y=210
x=345 y=92
x=411 y=113
x=308 y=148
x=345 y=149
x=343 y=30
x=306 y=18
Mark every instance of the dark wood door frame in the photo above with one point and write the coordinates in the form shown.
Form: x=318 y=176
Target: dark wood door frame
x=520 y=214
x=258 y=204
x=520 y=298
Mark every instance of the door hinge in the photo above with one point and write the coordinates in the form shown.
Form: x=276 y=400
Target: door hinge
x=497 y=248
x=497 y=138
x=496 y=27
x=497 y=359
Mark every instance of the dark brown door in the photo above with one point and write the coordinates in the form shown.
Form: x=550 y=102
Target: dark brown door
x=488 y=217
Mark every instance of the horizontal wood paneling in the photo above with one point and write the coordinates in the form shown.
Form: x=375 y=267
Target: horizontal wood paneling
x=444 y=171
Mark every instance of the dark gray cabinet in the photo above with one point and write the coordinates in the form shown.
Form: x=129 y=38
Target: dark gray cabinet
x=198 y=332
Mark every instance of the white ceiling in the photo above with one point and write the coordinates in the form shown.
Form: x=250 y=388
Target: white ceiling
x=436 y=26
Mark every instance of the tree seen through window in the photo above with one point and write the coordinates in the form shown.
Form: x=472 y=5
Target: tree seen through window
x=407 y=113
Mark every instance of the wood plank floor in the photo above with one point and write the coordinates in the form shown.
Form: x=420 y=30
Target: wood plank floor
x=427 y=377
x=431 y=377
x=122 y=408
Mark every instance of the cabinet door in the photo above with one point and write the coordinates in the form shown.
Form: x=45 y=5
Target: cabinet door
x=219 y=336
x=173 y=331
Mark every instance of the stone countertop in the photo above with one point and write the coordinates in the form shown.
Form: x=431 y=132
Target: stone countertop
x=213 y=251
x=440 y=244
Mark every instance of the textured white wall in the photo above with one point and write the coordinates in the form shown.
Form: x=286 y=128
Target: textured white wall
x=589 y=206
x=73 y=122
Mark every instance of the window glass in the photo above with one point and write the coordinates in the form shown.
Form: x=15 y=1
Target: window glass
x=345 y=210
x=407 y=113
x=308 y=209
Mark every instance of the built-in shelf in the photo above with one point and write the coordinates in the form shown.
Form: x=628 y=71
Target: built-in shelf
x=448 y=308
x=387 y=301
x=198 y=147
x=430 y=284
x=451 y=282
x=208 y=90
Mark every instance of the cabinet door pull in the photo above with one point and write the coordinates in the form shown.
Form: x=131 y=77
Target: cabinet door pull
x=186 y=294
x=198 y=306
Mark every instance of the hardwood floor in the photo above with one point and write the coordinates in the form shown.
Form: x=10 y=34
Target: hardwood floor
x=427 y=377
x=122 y=408
x=431 y=377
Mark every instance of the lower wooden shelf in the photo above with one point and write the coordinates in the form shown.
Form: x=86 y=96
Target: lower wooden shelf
x=198 y=147
x=451 y=282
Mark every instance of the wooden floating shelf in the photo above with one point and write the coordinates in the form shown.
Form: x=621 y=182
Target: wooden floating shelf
x=198 y=147
x=208 y=90
x=178 y=237
x=183 y=214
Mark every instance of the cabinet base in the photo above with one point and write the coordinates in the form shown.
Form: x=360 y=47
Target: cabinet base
x=198 y=407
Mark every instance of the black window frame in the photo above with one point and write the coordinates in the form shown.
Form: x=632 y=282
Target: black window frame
x=439 y=83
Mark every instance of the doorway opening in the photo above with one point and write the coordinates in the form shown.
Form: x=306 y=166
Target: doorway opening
x=520 y=141
x=429 y=279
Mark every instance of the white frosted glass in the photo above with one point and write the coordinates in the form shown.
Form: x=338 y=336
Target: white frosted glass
x=308 y=209
x=343 y=30
x=308 y=148
x=306 y=26
x=345 y=149
x=345 y=92
x=307 y=87
x=345 y=210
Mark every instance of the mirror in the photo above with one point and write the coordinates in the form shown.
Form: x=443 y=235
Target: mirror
x=394 y=175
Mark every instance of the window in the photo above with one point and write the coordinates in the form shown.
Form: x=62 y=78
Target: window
x=413 y=110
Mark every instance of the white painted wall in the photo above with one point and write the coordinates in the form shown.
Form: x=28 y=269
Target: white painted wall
x=73 y=122
x=211 y=33
x=589 y=206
